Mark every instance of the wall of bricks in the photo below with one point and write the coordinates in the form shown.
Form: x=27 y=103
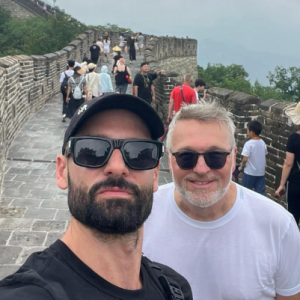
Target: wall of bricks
x=276 y=128
x=17 y=10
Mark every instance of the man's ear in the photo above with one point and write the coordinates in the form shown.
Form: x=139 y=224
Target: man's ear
x=61 y=172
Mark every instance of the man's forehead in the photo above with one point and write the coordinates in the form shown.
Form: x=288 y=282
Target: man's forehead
x=114 y=119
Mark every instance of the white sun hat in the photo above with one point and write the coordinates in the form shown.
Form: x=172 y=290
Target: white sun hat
x=294 y=113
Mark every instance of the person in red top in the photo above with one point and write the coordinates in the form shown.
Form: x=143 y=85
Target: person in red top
x=180 y=94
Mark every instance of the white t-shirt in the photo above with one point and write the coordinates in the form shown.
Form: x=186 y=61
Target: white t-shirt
x=256 y=152
x=69 y=73
x=100 y=44
x=253 y=252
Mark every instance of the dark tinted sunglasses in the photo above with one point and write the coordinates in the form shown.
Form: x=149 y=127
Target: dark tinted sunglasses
x=187 y=160
x=94 y=152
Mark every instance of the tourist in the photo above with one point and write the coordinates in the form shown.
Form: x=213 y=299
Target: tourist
x=228 y=241
x=76 y=84
x=105 y=80
x=106 y=46
x=199 y=86
x=109 y=164
x=64 y=78
x=290 y=177
x=140 y=40
x=122 y=42
x=122 y=77
x=95 y=52
x=181 y=94
x=143 y=83
x=254 y=159
x=117 y=56
x=132 y=50
x=93 y=85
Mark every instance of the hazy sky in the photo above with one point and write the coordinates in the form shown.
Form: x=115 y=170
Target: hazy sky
x=260 y=25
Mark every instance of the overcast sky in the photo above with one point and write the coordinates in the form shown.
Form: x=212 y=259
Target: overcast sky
x=263 y=25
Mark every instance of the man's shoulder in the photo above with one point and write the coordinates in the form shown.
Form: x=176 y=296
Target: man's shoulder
x=164 y=189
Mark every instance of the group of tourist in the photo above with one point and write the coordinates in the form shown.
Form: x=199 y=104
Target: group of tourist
x=80 y=83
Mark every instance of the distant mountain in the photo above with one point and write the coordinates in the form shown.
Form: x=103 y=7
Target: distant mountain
x=257 y=64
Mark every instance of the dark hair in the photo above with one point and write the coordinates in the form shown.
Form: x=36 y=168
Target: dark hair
x=89 y=61
x=85 y=59
x=199 y=82
x=71 y=63
x=144 y=63
x=91 y=70
x=255 y=126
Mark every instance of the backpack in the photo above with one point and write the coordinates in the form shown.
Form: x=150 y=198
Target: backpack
x=64 y=84
x=77 y=92
x=166 y=284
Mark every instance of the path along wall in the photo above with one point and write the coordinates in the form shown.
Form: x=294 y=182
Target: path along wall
x=28 y=82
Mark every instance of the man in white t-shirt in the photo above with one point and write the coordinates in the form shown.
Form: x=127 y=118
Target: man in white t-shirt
x=199 y=86
x=254 y=159
x=228 y=241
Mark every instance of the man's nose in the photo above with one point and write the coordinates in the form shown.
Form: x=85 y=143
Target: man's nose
x=116 y=165
x=201 y=166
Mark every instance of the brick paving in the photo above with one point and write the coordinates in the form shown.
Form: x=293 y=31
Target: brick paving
x=33 y=210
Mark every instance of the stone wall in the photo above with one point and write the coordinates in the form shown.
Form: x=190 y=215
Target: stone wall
x=28 y=82
x=276 y=128
x=17 y=10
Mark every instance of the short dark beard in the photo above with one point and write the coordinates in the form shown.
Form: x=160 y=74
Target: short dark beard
x=111 y=217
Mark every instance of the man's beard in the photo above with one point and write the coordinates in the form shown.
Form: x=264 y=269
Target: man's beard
x=201 y=197
x=117 y=216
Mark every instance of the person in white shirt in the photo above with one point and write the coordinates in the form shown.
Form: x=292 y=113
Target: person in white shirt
x=228 y=241
x=254 y=159
x=199 y=86
x=93 y=84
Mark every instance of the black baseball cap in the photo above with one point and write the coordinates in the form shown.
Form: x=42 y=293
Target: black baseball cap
x=115 y=101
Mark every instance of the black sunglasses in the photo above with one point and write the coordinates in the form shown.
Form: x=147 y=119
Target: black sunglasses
x=187 y=160
x=94 y=152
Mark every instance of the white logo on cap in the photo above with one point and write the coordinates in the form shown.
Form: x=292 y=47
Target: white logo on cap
x=82 y=109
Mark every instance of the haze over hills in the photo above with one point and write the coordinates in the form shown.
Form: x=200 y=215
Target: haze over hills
x=257 y=64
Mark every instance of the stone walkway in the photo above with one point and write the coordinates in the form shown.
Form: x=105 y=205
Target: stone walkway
x=33 y=210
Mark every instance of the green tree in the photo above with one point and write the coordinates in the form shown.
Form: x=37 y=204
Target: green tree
x=266 y=92
x=232 y=77
x=287 y=81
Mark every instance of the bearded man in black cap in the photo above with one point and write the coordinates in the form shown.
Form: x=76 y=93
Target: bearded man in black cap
x=109 y=164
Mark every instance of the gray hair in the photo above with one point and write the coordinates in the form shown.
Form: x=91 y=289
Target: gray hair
x=203 y=112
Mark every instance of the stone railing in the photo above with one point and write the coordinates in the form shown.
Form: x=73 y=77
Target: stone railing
x=178 y=57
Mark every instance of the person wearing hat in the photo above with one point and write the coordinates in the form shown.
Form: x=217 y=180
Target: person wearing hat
x=93 y=84
x=109 y=164
x=290 y=177
x=117 y=56
x=64 y=77
x=95 y=52
x=76 y=83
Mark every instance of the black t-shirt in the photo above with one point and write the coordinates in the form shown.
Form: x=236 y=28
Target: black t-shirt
x=293 y=146
x=95 y=49
x=57 y=273
x=144 y=83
